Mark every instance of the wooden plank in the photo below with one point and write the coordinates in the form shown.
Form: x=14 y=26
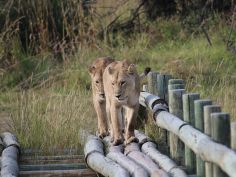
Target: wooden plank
x=220 y=131
x=176 y=108
x=233 y=135
x=188 y=115
x=51 y=159
x=59 y=173
x=199 y=124
x=207 y=130
x=45 y=167
x=152 y=82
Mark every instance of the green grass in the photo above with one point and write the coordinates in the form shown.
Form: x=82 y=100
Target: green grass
x=58 y=104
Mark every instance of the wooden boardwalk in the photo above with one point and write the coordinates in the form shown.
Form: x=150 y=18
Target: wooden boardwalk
x=50 y=166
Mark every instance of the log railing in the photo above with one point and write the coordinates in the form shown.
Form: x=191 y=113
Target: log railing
x=200 y=135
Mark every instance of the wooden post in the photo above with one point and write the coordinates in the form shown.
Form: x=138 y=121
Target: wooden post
x=176 y=81
x=220 y=130
x=162 y=86
x=207 y=130
x=145 y=88
x=152 y=82
x=233 y=135
x=176 y=108
x=188 y=113
x=199 y=124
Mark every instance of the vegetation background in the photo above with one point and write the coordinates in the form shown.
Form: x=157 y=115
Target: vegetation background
x=46 y=46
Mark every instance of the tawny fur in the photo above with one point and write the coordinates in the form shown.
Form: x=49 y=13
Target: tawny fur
x=122 y=88
x=96 y=70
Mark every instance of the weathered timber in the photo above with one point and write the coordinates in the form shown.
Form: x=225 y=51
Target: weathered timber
x=233 y=135
x=59 y=173
x=9 y=164
x=176 y=108
x=193 y=138
x=152 y=82
x=207 y=130
x=162 y=85
x=132 y=150
x=46 y=167
x=9 y=140
x=9 y=160
x=188 y=116
x=52 y=159
x=145 y=88
x=199 y=124
x=175 y=86
x=150 y=149
x=94 y=157
x=176 y=81
x=116 y=154
x=1 y=146
x=220 y=131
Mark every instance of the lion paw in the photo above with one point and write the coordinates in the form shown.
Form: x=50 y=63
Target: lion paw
x=131 y=139
x=103 y=134
x=117 y=142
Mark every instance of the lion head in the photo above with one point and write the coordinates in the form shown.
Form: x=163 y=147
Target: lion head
x=124 y=80
x=96 y=70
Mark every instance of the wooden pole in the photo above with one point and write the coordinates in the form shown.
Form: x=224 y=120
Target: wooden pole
x=233 y=135
x=94 y=157
x=188 y=113
x=132 y=150
x=207 y=130
x=115 y=153
x=150 y=149
x=200 y=143
x=176 y=108
x=199 y=124
x=220 y=131
x=9 y=161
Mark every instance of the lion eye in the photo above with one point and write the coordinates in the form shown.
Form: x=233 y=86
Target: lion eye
x=122 y=82
x=113 y=83
x=97 y=81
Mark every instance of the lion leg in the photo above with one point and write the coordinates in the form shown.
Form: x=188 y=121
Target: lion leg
x=131 y=120
x=109 y=120
x=117 y=131
x=102 y=119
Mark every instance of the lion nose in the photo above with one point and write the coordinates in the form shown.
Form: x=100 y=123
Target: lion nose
x=102 y=95
x=118 y=96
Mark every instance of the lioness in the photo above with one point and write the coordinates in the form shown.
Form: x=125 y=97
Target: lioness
x=96 y=70
x=122 y=88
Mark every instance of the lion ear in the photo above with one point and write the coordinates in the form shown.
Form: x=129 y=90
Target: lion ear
x=110 y=70
x=131 y=69
x=91 y=69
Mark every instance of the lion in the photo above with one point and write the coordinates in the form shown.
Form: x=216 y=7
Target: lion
x=122 y=89
x=96 y=70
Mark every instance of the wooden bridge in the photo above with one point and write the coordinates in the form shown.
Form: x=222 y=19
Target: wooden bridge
x=200 y=138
